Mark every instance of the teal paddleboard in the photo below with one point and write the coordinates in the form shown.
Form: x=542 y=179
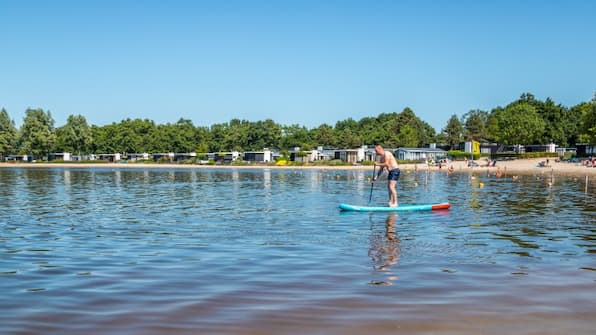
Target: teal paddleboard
x=400 y=208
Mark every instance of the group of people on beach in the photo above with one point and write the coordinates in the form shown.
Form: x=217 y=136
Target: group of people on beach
x=590 y=162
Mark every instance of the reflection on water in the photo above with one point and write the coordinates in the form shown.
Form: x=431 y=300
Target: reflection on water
x=119 y=251
x=384 y=250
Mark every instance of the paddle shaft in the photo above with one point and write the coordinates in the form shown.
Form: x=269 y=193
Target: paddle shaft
x=372 y=183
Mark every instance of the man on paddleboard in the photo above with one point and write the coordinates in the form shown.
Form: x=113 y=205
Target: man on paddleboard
x=388 y=162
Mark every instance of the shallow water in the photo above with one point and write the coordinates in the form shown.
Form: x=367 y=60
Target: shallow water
x=109 y=251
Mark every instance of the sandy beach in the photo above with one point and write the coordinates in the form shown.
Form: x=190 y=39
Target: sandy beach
x=527 y=166
x=508 y=168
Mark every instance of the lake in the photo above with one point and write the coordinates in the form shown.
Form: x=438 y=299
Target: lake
x=250 y=251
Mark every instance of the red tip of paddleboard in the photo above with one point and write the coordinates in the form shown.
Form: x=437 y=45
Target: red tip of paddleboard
x=441 y=206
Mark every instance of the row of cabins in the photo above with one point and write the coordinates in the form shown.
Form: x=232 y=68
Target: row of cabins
x=353 y=156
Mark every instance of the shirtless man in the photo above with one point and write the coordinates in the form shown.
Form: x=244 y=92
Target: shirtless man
x=388 y=162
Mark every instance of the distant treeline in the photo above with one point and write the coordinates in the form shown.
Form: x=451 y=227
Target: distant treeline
x=523 y=121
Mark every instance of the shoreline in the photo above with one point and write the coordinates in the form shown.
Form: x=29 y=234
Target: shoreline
x=520 y=166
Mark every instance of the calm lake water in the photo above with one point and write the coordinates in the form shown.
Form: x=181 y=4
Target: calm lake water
x=136 y=251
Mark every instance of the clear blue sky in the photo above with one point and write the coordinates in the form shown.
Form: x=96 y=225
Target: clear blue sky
x=304 y=62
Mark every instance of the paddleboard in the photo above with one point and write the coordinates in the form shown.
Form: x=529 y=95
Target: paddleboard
x=400 y=208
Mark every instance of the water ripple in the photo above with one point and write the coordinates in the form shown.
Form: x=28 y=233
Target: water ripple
x=264 y=251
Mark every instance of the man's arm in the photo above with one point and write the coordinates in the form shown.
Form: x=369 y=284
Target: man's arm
x=381 y=166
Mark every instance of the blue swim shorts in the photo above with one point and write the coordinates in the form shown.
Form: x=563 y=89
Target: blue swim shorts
x=393 y=174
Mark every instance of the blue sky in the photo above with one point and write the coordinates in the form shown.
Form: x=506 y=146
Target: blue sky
x=296 y=62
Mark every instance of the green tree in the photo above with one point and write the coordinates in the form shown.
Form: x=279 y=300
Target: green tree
x=387 y=129
x=134 y=136
x=371 y=129
x=401 y=129
x=348 y=138
x=574 y=125
x=237 y=136
x=324 y=135
x=166 y=138
x=104 y=139
x=492 y=124
x=475 y=124
x=37 y=135
x=518 y=123
x=202 y=138
x=128 y=136
x=426 y=134
x=588 y=126
x=295 y=136
x=75 y=136
x=185 y=136
x=161 y=140
x=8 y=134
x=407 y=137
x=127 y=139
x=263 y=134
x=453 y=131
x=382 y=129
x=422 y=130
x=556 y=119
x=348 y=123
x=218 y=133
x=561 y=124
x=347 y=133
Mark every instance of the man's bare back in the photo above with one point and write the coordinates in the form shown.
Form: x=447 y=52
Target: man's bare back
x=389 y=159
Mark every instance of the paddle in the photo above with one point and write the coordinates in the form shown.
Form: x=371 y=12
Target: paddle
x=372 y=183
